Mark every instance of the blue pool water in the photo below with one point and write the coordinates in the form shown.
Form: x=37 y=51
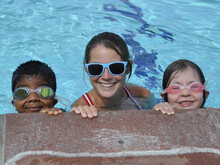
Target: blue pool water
x=157 y=32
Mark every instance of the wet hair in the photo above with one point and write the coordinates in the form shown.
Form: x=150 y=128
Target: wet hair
x=181 y=65
x=32 y=69
x=109 y=40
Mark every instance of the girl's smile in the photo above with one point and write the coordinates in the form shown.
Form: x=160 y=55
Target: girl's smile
x=186 y=98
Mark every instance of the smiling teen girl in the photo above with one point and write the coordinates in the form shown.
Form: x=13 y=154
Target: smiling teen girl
x=107 y=62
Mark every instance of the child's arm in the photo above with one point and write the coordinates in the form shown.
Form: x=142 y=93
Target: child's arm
x=165 y=108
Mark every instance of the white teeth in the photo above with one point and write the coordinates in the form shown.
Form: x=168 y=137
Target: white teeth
x=107 y=85
x=185 y=102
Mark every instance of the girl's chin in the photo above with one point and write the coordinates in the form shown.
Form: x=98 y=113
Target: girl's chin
x=107 y=95
x=187 y=106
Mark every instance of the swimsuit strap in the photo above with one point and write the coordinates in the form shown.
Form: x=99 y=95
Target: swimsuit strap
x=87 y=99
x=132 y=98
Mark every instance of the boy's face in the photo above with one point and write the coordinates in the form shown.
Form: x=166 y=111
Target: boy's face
x=33 y=102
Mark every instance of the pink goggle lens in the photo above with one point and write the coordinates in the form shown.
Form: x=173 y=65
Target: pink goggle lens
x=194 y=87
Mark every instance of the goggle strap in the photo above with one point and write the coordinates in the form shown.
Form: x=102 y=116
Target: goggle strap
x=62 y=100
x=163 y=92
x=59 y=98
x=11 y=98
x=206 y=81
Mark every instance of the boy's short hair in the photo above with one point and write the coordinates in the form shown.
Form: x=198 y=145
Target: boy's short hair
x=34 y=68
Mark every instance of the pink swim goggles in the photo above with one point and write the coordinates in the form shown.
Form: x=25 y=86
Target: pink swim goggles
x=195 y=87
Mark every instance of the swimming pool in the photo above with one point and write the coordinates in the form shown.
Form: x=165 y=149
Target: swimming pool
x=157 y=32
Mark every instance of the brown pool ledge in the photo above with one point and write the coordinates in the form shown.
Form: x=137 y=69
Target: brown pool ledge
x=114 y=137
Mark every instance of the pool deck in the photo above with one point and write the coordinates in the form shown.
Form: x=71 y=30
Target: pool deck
x=114 y=137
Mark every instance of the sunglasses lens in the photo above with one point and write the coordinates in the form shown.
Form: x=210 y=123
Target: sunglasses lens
x=95 y=69
x=20 y=93
x=46 y=92
x=117 y=68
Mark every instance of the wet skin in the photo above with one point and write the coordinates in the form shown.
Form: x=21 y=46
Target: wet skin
x=33 y=103
x=106 y=87
x=186 y=99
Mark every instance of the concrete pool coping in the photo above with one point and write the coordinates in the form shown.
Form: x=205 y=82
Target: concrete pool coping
x=2 y=138
x=114 y=137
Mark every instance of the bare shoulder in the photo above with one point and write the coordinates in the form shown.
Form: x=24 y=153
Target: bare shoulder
x=81 y=101
x=138 y=91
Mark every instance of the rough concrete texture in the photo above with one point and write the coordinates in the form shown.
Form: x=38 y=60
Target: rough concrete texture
x=2 y=134
x=114 y=137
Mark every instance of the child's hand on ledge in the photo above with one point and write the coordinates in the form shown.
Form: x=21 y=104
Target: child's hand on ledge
x=85 y=111
x=52 y=111
x=165 y=108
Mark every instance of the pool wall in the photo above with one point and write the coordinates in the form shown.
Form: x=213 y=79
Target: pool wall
x=114 y=137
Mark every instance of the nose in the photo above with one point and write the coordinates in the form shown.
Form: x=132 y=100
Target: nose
x=33 y=97
x=185 y=92
x=106 y=74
